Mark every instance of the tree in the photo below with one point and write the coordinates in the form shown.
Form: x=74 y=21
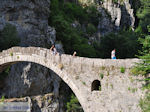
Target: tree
x=8 y=37
x=125 y=43
x=73 y=105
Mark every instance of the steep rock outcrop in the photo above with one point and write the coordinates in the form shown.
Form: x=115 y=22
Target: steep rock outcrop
x=39 y=103
x=121 y=12
x=31 y=20
x=114 y=16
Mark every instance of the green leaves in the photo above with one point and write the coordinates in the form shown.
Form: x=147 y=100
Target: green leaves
x=8 y=37
x=73 y=38
x=125 y=43
x=143 y=14
x=73 y=105
x=145 y=103
x=91 y=29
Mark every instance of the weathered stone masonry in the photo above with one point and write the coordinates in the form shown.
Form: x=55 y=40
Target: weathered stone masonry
x=116 y=92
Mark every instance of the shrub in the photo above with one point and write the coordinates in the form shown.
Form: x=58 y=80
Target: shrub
x=102 y=67
x=2 y=99
x=73 y=105
x=122 y=69
x=11 y=54
x=83 y=83
x=145 y=103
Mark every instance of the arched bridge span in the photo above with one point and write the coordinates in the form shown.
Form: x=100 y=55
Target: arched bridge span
x=77 y=72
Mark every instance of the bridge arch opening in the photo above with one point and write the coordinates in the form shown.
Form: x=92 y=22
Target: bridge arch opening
x=4 y=66
x=96 y=85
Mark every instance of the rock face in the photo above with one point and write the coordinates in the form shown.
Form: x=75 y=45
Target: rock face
x=31 y=20
x=114 y=15
x=39 y=103
x=121 y=12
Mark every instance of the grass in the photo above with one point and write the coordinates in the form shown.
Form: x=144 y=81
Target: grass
x=131 y=79
x=145 y=103
x=100 y=88
x=83 y=83
x=101 y=76
x=133 y=90
x=49 y=101
x=2 y=99
x=107 y=73
x=129 y=88
x=102 y=68
x=111 y=85
x=11 y=54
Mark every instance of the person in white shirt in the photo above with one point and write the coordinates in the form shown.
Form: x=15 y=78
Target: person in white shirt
x=74 y=54
x=113 y=54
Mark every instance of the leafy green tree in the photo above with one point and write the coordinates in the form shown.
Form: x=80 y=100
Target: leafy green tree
x=143 y=15
x=143 y=68
x=8 y=37
x=91 y=29
x=73 y=39
x=93 y=15
x=125 y=43
x=144 y=30
x=73 y=105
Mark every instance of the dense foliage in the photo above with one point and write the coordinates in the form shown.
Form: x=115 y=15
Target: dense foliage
x=73 y=105
x=8 y=38
x=63 y=16
x=125 y=42
x=143 y=68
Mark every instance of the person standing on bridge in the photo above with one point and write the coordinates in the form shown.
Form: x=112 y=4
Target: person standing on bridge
x=53 y=49
x=74 y=54
x=113 y=54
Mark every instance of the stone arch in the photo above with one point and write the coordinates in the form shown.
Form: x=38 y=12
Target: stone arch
x=43 y=57
x=96 y=85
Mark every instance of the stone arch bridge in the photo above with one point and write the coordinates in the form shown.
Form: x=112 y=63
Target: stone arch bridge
x=98 y=83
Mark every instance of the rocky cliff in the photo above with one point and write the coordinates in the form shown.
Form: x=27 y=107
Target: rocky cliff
x=115 y=15
x=120 y=11
x=31 y=20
